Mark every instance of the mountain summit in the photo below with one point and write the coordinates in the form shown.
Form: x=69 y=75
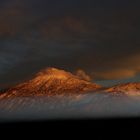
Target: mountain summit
x=52 y=81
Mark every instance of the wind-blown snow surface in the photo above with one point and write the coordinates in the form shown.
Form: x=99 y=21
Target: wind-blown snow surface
x=91 y=105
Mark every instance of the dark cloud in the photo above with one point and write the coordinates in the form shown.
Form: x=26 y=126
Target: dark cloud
x=99 y=37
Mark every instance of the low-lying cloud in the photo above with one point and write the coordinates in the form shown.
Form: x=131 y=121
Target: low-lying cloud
x=81 y=74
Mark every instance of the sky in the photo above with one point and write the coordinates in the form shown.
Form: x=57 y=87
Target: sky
x=99 y=37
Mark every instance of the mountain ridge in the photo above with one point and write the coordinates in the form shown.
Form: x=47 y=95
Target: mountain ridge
x=126 y=88
x=52 y=81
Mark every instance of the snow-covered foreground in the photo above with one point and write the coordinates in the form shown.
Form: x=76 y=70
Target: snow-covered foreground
x=90 y=105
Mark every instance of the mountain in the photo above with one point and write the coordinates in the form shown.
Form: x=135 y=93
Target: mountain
x=51 y=81
x=127 y=88
x=36 y=98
